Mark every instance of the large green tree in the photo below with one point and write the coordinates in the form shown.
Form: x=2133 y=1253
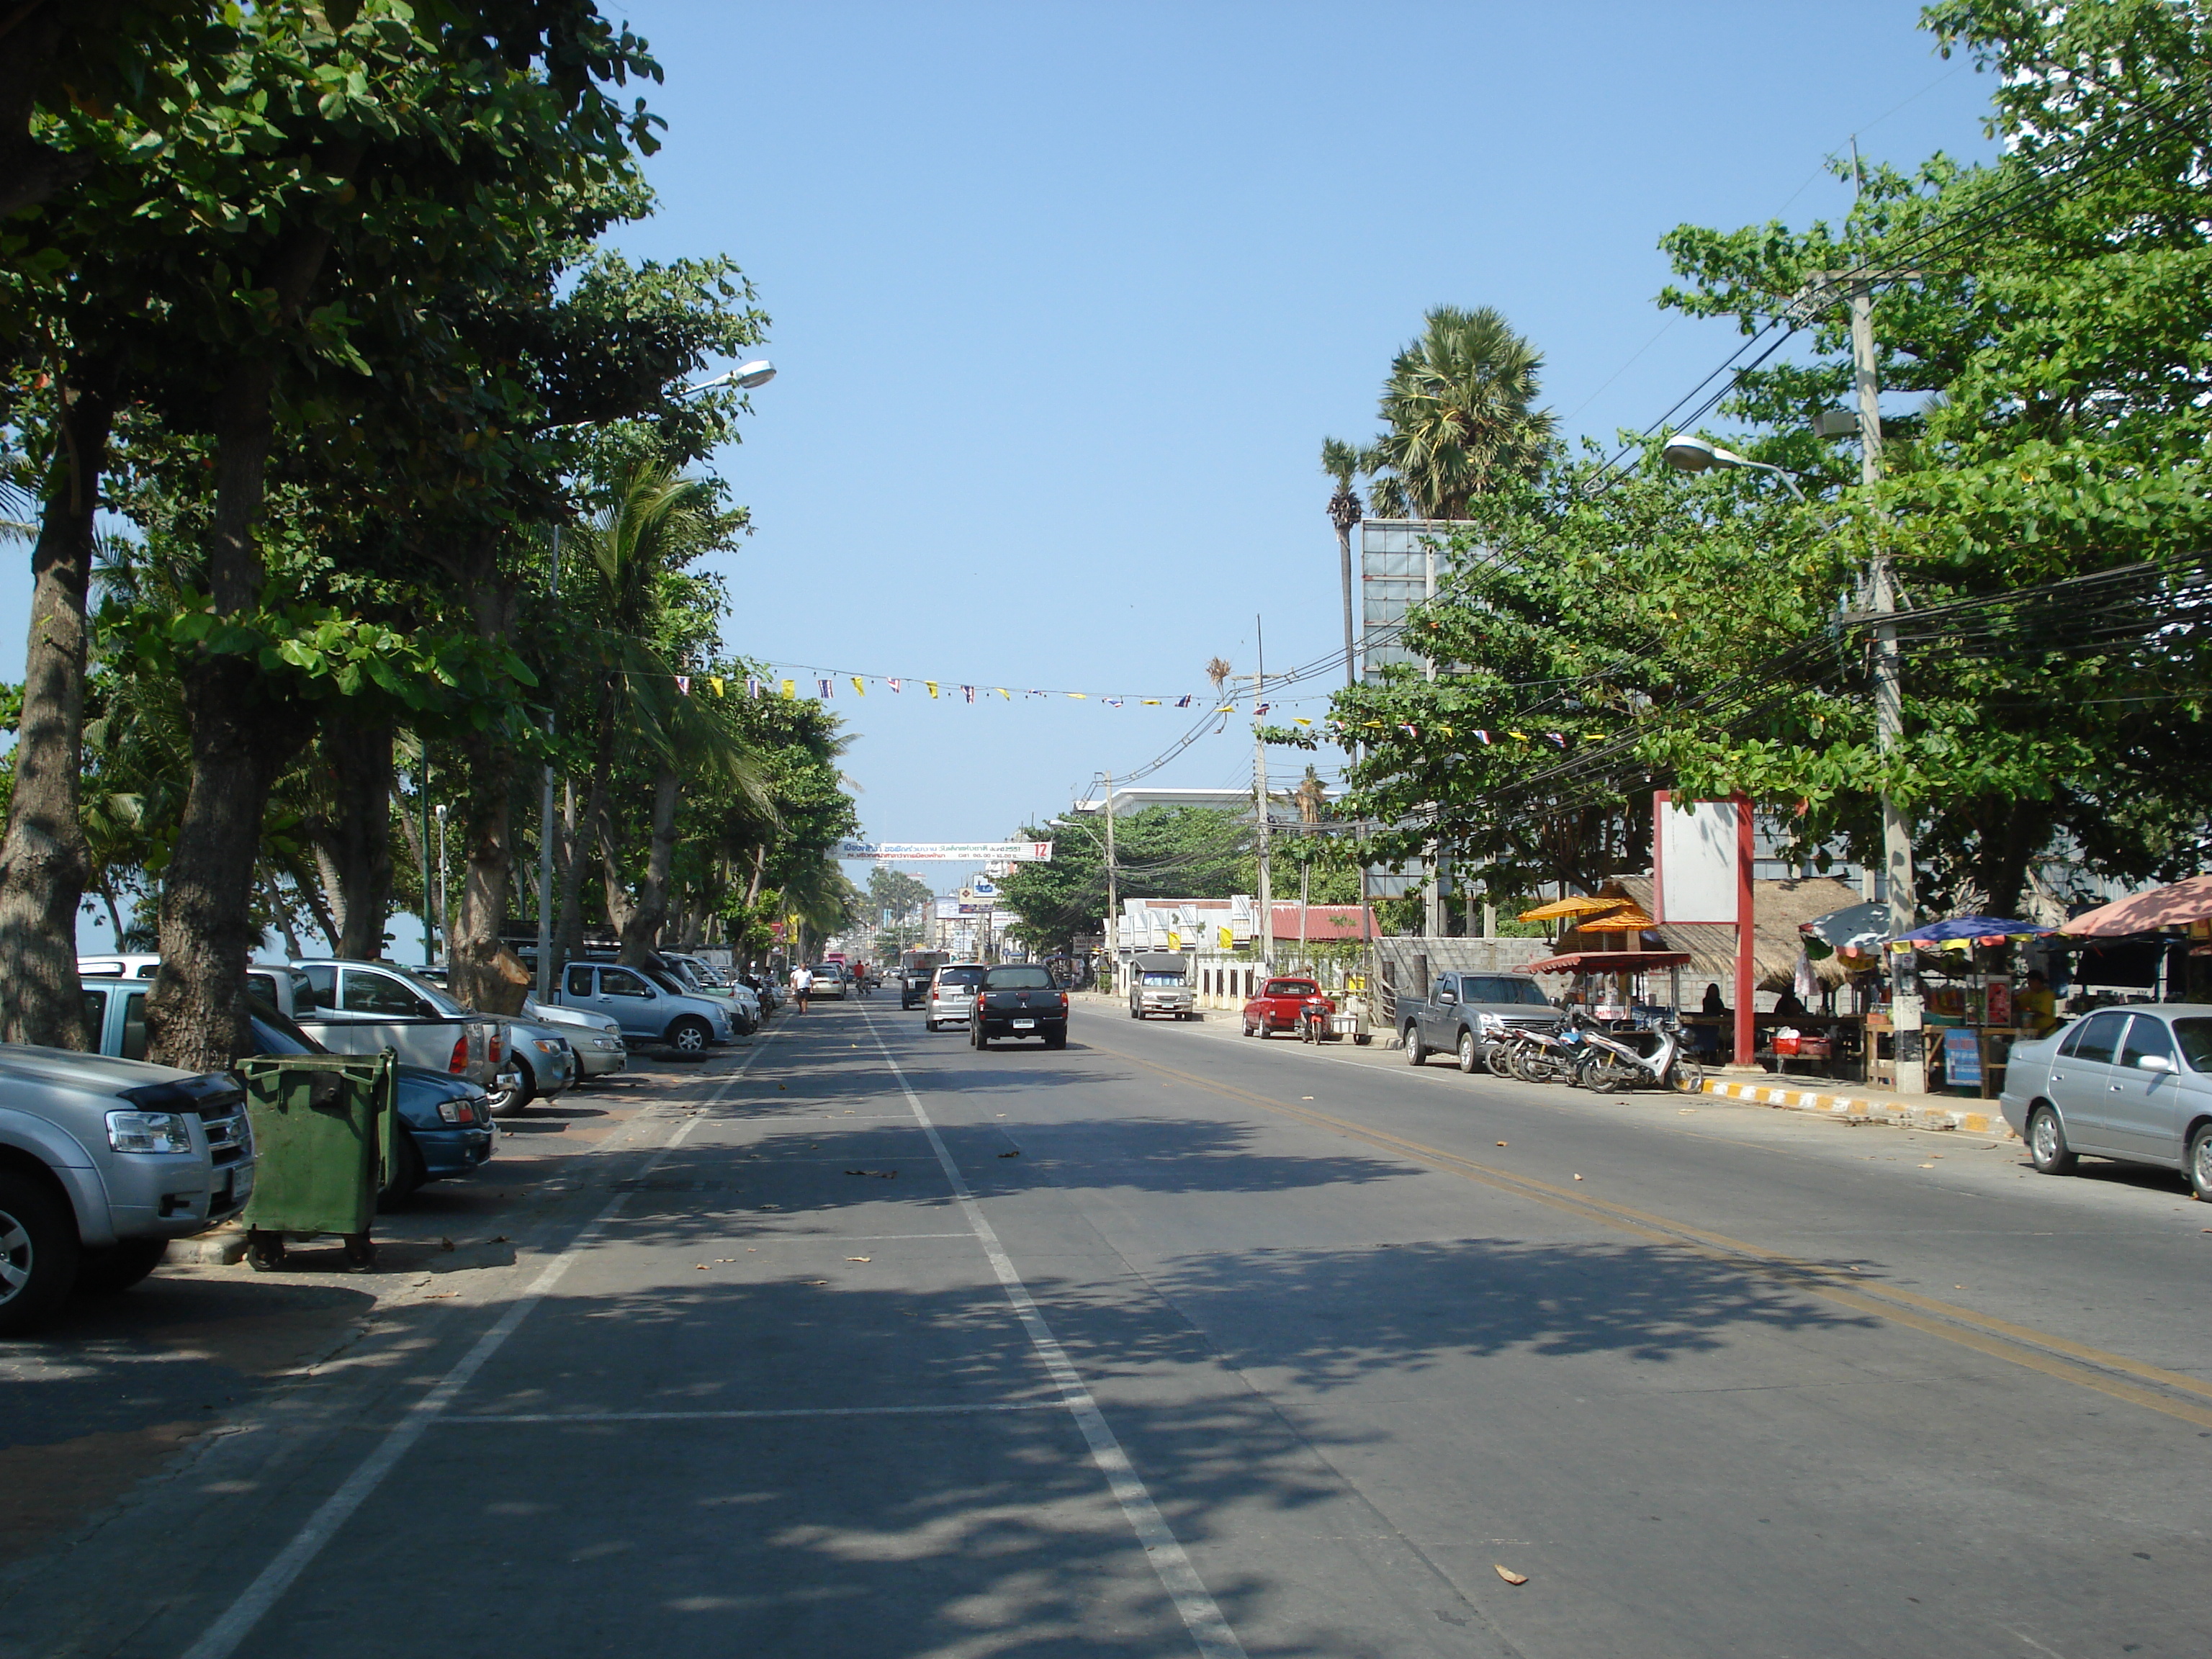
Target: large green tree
x=1161 y=852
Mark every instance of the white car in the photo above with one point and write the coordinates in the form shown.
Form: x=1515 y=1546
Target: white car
x=952 y=991
x=597 y=1041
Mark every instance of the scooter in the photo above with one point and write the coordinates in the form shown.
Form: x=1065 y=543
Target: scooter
x=1608 y=1063
x=1545 y=1056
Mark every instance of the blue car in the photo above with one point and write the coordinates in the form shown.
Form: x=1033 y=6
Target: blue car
x=445 y=1121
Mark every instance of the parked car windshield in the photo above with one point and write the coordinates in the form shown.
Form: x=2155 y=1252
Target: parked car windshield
x=273 y=1034
x=1495 y=987
x=1290 y=988
x=960 y=976
x=2195 y=1036
x=1018 y=977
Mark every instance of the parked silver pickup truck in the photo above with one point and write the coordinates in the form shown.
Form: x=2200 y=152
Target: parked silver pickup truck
x=360 y=1007
x=103 y=1163
x=363 y=1008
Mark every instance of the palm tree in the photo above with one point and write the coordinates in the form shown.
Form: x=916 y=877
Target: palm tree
x=1341 y=462
x=1459 y=416
x=658 y=524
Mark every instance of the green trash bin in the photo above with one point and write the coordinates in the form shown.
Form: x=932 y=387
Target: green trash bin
x=322 y=1132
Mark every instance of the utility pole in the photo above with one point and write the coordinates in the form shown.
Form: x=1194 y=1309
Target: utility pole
x=1888 y=704
x=545 y=831
x=1267 y=939
x=1113 y=888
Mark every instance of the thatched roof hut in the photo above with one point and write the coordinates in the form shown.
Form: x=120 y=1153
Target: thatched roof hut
x=1778 y=906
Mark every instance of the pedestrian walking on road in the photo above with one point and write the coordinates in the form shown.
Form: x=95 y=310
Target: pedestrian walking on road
x=802 y=982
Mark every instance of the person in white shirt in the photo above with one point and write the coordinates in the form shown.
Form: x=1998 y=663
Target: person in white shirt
x=802 y=982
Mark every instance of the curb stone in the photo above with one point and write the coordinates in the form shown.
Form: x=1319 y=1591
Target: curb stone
x=1864 y=1109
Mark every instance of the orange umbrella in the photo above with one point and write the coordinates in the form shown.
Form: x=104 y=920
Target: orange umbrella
x=1628 y=919
x=1571 y=907
x=2162 y=906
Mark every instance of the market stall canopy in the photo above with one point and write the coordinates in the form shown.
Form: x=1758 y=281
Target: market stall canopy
x=1856 y=929
x=2142 y=913
x=1575 y=906
x=1607 y=962
x=1963 y=932
x=1629 y=918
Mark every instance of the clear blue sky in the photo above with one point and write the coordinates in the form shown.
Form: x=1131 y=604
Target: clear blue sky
x=1065 y=297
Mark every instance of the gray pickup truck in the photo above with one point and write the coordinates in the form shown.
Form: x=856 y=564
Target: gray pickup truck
x=1464 y=1013
x=103 y=1163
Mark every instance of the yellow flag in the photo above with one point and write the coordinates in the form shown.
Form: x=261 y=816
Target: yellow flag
x=1007 y=695
x=715 y=680
x=1152 y=703
x=1228 y=939
x=859 y=689
x=791 y=688
x=1079 y=694
x=932 y=684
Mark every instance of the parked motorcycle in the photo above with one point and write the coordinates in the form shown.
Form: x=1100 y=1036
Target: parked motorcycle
x=1537 y=1056
x=1608 y=1063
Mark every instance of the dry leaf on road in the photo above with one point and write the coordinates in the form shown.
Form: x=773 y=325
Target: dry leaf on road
x=860 y=1258
x=1508 y=1574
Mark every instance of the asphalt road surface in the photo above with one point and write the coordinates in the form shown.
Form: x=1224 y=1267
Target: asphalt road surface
x=862 y=1343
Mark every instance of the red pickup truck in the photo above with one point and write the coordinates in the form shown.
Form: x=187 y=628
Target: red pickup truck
x=1283 y=1004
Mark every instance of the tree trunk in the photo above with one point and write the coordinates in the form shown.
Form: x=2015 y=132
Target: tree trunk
x=641 y=931
x=44 y=858
x=584 y=833
x=280 y=913
x=359 y=843
x=484 y=973
x=196 y=1013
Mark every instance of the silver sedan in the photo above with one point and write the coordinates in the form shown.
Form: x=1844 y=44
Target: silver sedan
x=2131 y=1084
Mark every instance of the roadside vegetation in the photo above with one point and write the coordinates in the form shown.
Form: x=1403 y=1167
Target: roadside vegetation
x=1607 y=625
x=313 y=358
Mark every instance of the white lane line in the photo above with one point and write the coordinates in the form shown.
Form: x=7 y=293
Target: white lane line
x=237 y=1621
x=456 y=1419
x=1209 y=1631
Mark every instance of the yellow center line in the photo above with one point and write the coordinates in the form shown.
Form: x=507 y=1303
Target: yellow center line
x=2037 y=1351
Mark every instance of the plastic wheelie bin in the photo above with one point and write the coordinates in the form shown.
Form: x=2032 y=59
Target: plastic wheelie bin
x=322 y=1124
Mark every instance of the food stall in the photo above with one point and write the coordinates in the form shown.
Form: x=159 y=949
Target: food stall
x=1968 y=1008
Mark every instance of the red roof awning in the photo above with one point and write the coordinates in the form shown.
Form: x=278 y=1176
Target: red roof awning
x=1608 y=962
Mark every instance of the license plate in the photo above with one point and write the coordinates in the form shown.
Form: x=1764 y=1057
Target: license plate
x=238 y=1186
x=1025 y=1025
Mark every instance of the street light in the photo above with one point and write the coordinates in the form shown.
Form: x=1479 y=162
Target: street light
x=1685 y=453
x=744 y=377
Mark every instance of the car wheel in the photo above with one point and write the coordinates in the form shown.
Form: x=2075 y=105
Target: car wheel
x=2046 y=1143
x=409 y=1173
x=1249 y=1031
x=1058 y=1040
x=2200 y=1163
x=512 y=1102
x=1470 y=1057
x=115 y=1269
x=976 y=1037
x=1417 y=1052
x=690 y=1035
x=929 y=1024
x=39 y=1252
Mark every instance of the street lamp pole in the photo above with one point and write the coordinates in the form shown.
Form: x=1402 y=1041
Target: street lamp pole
x=545 y=826
x=1113 y=889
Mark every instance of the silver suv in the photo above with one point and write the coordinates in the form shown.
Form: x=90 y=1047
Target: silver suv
x=103 y=1163
x=952 y=994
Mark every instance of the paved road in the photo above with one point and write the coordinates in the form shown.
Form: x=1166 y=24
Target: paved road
x=868 y=1345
